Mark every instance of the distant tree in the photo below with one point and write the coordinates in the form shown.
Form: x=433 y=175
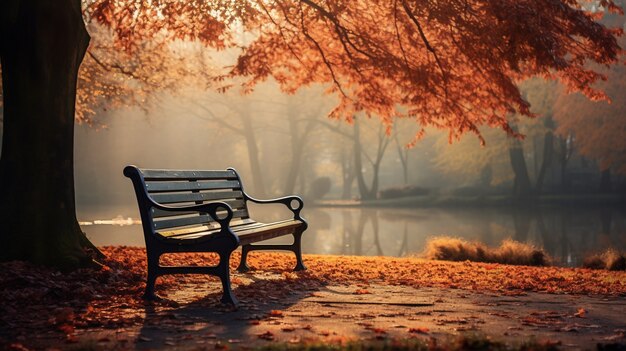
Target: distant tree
x=372 y=152
x=382 y=141
x=598 y=128
x=507 y=157
x=452 y=65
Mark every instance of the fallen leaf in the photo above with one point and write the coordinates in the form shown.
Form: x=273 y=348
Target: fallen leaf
x=419 y=330
x=581 y=313
x=268 y=335
x=276 y=313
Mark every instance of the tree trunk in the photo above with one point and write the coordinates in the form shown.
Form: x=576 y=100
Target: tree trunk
x=298 y=142
x=403 y=154
x=522 y=187
x=564 y=154
x=296 y=156
x=253 y=155
x=43 y=44
x=546 y=162
x=347 y=172
x=358 y=164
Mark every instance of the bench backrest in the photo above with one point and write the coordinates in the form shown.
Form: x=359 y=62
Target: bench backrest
x=186 y=187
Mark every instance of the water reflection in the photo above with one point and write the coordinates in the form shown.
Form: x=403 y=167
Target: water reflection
x=567 y=234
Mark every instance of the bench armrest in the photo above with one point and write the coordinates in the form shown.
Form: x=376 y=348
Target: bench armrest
x=286 y=200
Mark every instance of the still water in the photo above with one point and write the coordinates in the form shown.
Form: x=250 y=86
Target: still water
x=567 y=234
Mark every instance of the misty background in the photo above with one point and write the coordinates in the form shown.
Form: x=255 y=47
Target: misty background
x=540 y=190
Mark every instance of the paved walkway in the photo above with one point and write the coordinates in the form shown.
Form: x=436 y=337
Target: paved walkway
x=365 y=312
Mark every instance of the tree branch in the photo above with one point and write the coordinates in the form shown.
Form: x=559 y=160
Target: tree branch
x=426 y=42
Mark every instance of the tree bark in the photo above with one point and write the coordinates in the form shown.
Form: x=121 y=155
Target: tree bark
x=43 y=44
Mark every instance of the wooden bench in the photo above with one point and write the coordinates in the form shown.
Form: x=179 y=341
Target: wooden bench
x=205 y=211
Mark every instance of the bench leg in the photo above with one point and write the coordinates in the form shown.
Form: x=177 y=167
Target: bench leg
x=243 y=265
x=153 y=266
x=297 y=249
x=224 y=273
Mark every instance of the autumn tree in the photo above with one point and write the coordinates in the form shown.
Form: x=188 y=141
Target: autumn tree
x=452 y=65
x=526 y=162
x=597 y=128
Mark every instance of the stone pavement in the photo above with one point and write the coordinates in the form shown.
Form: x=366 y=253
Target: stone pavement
x=336 y=313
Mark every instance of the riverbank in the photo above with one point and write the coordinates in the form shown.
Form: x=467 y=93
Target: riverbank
x=573 y=200
x=339 y=299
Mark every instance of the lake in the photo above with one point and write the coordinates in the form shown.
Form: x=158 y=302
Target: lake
x=566 y=233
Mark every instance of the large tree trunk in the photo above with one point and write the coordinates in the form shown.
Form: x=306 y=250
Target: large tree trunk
x=43 y=44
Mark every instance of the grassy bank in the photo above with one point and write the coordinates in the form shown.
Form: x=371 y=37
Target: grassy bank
x=509 y=252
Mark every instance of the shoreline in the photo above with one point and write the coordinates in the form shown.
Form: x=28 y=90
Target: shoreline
x=432 y=201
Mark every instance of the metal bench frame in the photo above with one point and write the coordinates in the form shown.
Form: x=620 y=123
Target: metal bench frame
x=223 y=240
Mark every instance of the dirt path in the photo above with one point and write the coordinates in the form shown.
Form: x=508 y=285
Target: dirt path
x=337 y=313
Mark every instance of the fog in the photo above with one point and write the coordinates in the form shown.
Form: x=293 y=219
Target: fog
x=283 y=144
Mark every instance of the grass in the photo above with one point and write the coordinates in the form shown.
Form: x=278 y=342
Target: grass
x=611 y=260
x=509 y=252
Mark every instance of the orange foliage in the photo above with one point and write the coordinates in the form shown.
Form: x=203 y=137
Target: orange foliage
x=398 y=271
x=110 y=78
x=598 y=127
x=453 y=65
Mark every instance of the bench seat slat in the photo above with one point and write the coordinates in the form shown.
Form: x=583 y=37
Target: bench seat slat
x=272 y=230
x=165 y=186
x=204 y=228
x=169 y=198
x=169 y=174
x=157 y=213
x=185 y=221
x=247 y=233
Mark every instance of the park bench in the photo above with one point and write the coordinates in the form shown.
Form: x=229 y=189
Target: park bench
x=206 y=211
